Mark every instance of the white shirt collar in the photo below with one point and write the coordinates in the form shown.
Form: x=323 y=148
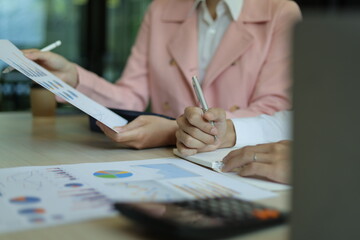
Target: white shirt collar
x=235 y=7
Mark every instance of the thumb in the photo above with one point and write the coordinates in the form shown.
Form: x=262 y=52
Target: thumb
x=36 y=55
x=29 y=51
x=136 y=123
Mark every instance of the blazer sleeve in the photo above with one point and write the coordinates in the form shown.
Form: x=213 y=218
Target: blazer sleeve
x=131 y=91
x=263 y=128
x=272 y=92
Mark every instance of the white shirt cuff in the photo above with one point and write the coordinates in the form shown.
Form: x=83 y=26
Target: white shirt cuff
x=263 y=129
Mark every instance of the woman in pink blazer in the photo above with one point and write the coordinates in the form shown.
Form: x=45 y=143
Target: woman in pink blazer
x=248 y=73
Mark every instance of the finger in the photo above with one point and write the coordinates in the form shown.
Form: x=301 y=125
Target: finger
x=185 y=150
x=107 y=131
x=244 y=156
x=28 y=51
x=201 y=136
x=136 y=123
x=194 y=116
x=249 y=152
x=119 y=137
x=188 y=140
x=263 y=148
x=234 y=159
x=36 y=55
x=215 y=114
x=129 y=138
x=257 y=169
x=194 y=132
x=207 y=148
x=181 y=121
x=100 y=125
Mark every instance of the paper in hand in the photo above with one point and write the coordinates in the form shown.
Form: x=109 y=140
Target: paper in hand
x=15 y=58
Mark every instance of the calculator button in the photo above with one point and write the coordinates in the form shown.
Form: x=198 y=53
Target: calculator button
x=273 y=213
x=232 y=210
x=265 y=214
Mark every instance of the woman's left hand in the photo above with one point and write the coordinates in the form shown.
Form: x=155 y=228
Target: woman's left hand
x=271 y=161
x=144 y=132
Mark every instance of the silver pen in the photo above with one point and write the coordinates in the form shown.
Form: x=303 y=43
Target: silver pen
x=47 y=48
x=201 y=98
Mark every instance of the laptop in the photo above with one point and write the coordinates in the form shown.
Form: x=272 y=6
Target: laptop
x=326 y=156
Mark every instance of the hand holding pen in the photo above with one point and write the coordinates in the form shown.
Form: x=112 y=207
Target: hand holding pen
x=195 y=134
x=47 y=48
x=201 y=98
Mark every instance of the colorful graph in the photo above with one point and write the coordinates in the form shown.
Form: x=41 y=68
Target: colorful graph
x=27 y=69
x=32 y=211
x=73 y=185
x=57 y=83
x=61 y=173
x=205 y=189
x=72 y=93
x=145 y=191
x=25 y=200
x=68 y=95
x=83 y=198
x=112 y=174
x=46 y=85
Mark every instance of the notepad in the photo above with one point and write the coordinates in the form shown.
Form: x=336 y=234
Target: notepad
x=213 y=160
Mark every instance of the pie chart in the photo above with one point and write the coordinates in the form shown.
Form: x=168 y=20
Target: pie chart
x=73 y=185
x=25 y=200
x=112 y=174
x=31 y=211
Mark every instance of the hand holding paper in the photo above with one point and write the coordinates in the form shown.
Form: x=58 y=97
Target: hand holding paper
x=144 y=132
x=57 y=64
x=15 y=58
x=45 y=49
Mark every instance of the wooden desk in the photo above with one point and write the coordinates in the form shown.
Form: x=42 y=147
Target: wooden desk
x=25 y=141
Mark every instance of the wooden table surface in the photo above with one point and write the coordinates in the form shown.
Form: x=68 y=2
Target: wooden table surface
x=66 y=139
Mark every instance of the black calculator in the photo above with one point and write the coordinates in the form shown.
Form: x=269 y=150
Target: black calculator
x=211 y=218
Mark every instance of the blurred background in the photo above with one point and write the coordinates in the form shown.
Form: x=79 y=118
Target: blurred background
x=97 y=34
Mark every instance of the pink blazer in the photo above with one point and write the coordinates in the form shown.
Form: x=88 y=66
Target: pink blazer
x=248 y=75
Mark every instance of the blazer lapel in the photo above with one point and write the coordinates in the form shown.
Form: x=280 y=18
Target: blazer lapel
x=183 y=47
x=234 y=43
x=236 y=39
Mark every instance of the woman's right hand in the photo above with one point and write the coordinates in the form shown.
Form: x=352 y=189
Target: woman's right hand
x=56 y=64
x=196 y=134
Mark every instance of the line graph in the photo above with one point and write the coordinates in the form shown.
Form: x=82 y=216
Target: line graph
x=205 y=189
x=144 y=191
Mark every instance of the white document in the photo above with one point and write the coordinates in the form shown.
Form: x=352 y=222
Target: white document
x=214 y=159
x=14 y=57
x=33 y=197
